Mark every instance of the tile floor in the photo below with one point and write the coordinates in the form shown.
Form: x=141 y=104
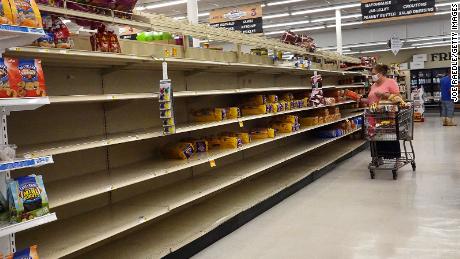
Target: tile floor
x=345 y=214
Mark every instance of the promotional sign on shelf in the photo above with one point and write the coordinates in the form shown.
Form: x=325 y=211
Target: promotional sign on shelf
x=247 y=19
x=396 y=44
x=388 y=10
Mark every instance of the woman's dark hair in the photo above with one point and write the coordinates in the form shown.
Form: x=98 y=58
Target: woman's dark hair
x=382 y=69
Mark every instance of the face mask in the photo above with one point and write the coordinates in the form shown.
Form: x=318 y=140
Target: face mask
x=375 y=78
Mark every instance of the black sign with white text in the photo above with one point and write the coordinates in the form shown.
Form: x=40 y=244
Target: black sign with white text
x=248 y=26
x=387 y=10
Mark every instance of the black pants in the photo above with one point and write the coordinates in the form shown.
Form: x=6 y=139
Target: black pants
x=386 y=149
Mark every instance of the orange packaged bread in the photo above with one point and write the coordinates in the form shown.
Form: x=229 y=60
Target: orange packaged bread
x=233 y=112
x=245 y=137
x=309 y=121
x=263 y=133
x=207 y=115
x=254 y=110
x=27 y=13
x=6 y=13
x=283 y=127
x=320 y=120
x=272 y=98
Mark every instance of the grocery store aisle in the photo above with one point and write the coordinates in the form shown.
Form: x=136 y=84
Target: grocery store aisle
x=347 y=215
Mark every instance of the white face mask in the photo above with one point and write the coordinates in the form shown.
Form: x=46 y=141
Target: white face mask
x=375 y=78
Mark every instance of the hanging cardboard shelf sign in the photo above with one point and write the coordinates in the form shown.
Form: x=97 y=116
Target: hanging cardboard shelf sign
x=389 y=10
x=246 y=19
x=396 y=44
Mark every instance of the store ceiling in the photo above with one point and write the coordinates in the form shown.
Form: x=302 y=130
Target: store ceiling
x=276 y=16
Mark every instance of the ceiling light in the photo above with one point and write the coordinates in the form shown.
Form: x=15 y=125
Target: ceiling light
x=266 y=17
x=366 y=44
x=376 y=50
x=284 y=2
x=430 y=43
x=442 y=13
x=345 y=24
x=273 y=32
x=428 y=38
x=285 y=24
x=165 y=4
x=432 y=46
x=309 y=28
x=333 y=18
x=318 y=10
x=444 y=4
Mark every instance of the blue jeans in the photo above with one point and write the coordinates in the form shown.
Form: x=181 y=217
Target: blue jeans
x=447 y=109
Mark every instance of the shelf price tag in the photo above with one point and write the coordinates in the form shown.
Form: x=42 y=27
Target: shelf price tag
x=212 y=163
x=241 y=124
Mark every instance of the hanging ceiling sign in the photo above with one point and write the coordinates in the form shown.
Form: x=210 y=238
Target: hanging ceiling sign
x=396 y=44
x=388 y=10
x=246 y=19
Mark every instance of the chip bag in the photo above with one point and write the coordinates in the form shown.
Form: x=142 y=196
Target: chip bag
x=28 y=253
x=6 y=13
x=27 y=198
x=31 y=81
x=27 y=13
x=8 y=72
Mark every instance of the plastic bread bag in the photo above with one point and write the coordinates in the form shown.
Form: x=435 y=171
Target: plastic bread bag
x=263 y=133
x=233 y=112
x=256 y=100
x=272 y=98
x=182 y=150
x=28 y=253
x=254 y=110
x=6 y=13
x=27 y=13
x=27 y=198
x=283 y=127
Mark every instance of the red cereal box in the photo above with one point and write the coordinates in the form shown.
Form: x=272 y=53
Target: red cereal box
x=8 y=68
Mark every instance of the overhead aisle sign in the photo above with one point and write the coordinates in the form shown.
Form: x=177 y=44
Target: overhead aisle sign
x=388 y=10
x=246 y=19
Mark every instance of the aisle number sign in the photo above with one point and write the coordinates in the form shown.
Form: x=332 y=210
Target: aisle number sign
x=246 y=19
x=388 y=10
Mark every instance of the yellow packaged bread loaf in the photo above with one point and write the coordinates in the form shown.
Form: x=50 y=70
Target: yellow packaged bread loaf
x=309 y=121
x=244 y=137
x=287 y=97
x=6 y=13
x=254 y=110
x=283 y=127
x=233 y=112
x=199 y=145
x=27 y=13
x=263 y=133
x=272 y=107
x=224 y=142
x=182 y=150
x=207 y=115
x=272 y=98
x=321 y=120
x=256 y=100
x=287 y=118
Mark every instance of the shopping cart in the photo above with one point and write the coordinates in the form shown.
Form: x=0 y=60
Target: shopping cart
x=387 y=126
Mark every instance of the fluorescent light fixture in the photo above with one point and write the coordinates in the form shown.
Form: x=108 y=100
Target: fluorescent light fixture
x=309 y=28
x=429 y=38
x=325 y=9
x=185 y=17
x=266 y=17
x=366 y=44
x=273 y=32
x=284 y=2
x=444 y=4
x=430 y=43
x=165 y=4
x=432 y=46
x=345 y=24
x=376 y=50
x=285 y=24
x=333 y=18
x=442 y=13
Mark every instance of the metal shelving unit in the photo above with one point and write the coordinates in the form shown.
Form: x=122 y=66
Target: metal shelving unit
x=106 y=222
x=160 y=239
x=74 y=145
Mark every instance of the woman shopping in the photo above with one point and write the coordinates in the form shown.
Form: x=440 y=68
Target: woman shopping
x=383 y=88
